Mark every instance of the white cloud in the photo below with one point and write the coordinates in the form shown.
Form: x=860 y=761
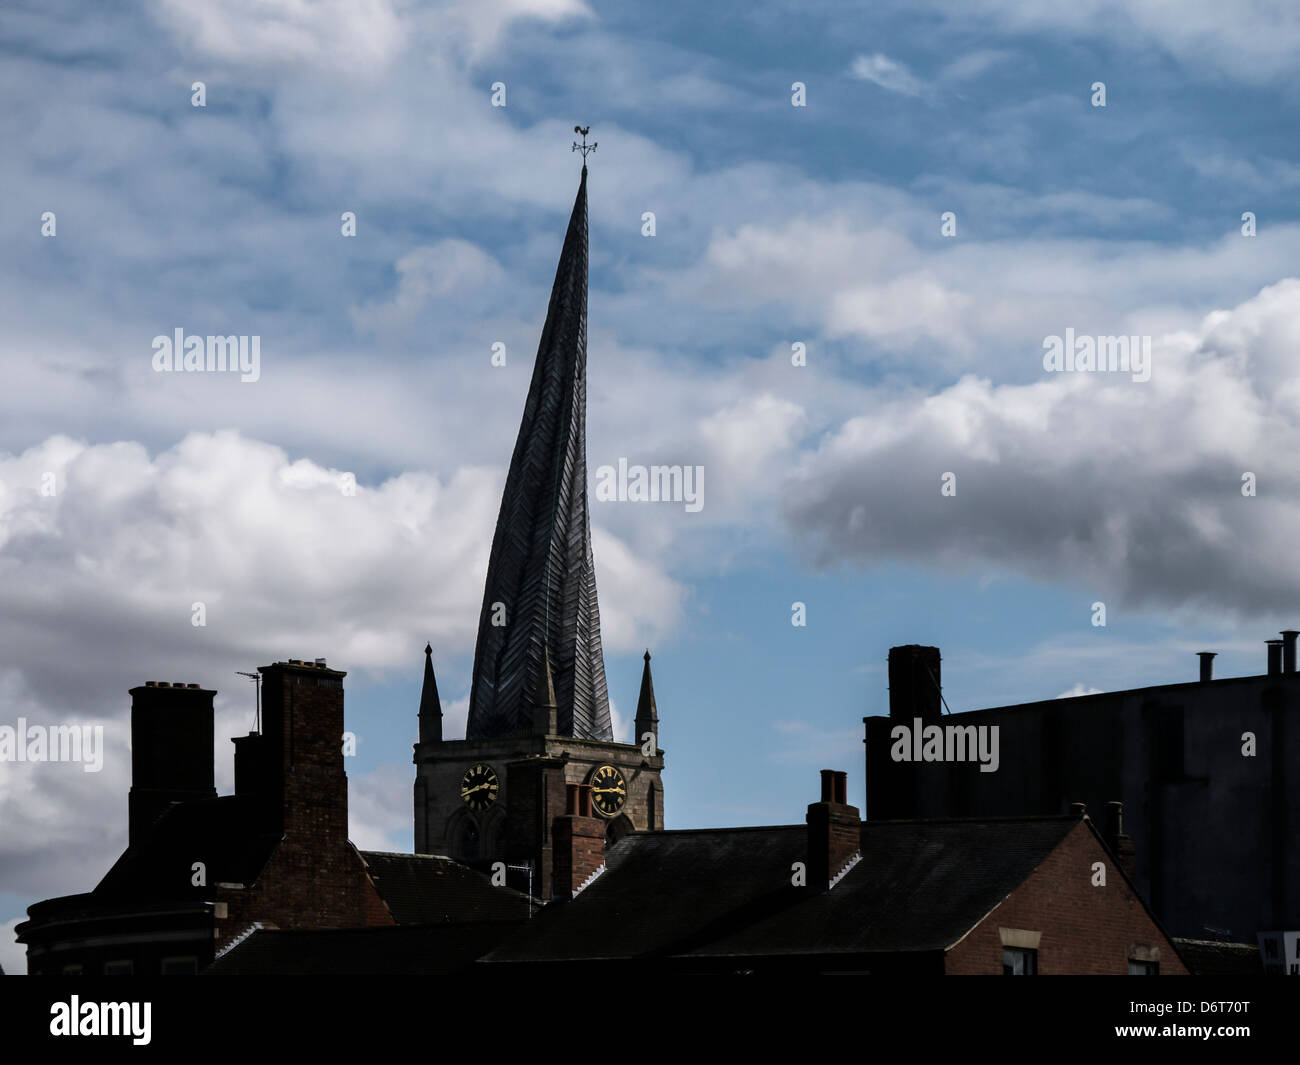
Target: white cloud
x=379 y=809
x=888 y=73
x=1079 y=689
x=450 y=270
x=1253 y=40
x=1132 y=490
x=339 y=35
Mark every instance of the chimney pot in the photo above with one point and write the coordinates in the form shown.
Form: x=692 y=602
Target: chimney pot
x=571 y=798
x=1274 y=657
x=1120 y=844
x=828 y=785
x=1078 y=809
x=1288 y=649
x=1114 y=819
x=584 y=800
x=1207 y=665
x=841 y=788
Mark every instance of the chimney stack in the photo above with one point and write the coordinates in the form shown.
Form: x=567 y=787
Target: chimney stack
x=1207 y=665
x=301 y=753
x=1288 y=650
x=171 y=751
x=1120 y=844
x=914 y=683
x=1274 y=657
x=578 y=842
x=834 y=832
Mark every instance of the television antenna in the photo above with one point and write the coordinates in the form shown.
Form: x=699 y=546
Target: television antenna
x=256 y=678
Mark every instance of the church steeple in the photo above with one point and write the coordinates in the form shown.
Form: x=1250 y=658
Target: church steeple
x=541 y=584
x=430 y=704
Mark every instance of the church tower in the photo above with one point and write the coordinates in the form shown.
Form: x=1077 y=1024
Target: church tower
x=539 y=714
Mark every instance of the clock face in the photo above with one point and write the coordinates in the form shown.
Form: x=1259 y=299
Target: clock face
x=608 y=790
x=479 y=787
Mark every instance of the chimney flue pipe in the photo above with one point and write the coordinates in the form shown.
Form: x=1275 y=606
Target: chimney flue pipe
x=1274 y=657
x=1207 y=665
x=1288 y=650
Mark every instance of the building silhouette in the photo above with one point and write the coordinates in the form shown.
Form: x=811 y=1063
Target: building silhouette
x=1203 y=768
x=202 y=872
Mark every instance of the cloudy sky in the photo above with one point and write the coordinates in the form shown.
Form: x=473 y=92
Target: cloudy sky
x=775 y=225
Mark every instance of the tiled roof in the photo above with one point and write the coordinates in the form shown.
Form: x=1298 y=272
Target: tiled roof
x=1206 y=957
x=666 y=891
x=224 y=833
x=919 y=886
x=402 y=950
x=430 y=889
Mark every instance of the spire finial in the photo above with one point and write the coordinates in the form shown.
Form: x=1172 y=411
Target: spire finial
x=647 y=654
x=585 y=148
x=428 y=648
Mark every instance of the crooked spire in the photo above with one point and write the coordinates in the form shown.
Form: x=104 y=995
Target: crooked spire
x=541 y=582
x=430 y=704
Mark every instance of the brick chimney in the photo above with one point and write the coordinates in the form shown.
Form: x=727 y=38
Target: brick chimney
x=578 y=842
x=914 y=683
x=834 y=832
x=1122 y=845
x=301 y=754
x=171 y=751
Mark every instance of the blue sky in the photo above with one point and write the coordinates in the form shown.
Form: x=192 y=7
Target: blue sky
x=775 y=224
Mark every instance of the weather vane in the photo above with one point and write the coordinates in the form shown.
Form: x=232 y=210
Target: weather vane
x=584 y=147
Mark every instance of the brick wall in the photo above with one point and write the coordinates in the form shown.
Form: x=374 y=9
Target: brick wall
x=1084 y=930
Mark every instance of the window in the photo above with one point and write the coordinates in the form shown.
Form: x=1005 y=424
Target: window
x=1018 y=961
x=1143 y=968
x=121 y=967
x=180 y=966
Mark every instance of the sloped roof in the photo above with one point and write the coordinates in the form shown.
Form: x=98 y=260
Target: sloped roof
x=224 y=833
x=920 y=886
x=391 y=950
x=1207 y=957
x=430 y=889
x=662 y=892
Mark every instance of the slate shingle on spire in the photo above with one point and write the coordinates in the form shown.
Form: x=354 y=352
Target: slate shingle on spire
x=541 y=570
